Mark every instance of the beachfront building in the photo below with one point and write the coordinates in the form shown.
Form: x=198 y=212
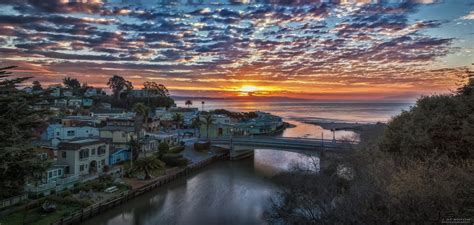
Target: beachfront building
x=221 y=126
x=265 y=123
x=84 y=157
x=224 y=126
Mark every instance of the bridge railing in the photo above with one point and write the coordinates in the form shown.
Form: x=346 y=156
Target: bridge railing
x=277 y=139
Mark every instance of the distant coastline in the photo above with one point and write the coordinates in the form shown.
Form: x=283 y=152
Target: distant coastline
x=338 y=125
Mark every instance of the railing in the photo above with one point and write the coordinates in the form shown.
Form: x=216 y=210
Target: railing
x=12 y=201
x=289 y=143
x=86 y=213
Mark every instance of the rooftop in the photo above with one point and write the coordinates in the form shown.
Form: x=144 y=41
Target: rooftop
x=78 y=143
x=118 y=128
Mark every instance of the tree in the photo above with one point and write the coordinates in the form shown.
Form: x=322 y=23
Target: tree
x=447 y=131
x=72 y=83
x=188 y=103
x=196 y=124
x=156 y=89
x=18 y=120
x=416 y=169
x=148 y=164
x=135 y=148
x=178 y=118
x=84 y=88
x=37 y=86
x=118 y=85
x=142 y=112
x=208 y=119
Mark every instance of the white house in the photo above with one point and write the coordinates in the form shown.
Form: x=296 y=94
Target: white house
x=57 y=133
x=84 y=157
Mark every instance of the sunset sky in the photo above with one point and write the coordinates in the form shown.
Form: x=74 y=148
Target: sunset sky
x=384 y=50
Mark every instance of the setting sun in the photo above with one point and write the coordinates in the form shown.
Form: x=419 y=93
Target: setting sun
x=248 y=88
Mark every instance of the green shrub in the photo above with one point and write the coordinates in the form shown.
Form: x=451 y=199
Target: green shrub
x=163 y=148
x=69 y=201
x=174 y=160
x=66 y=193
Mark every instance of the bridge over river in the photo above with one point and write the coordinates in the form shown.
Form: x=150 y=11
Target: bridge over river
x=236 y=144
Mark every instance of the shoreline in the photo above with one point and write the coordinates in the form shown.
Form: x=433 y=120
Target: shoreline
x=340 y=125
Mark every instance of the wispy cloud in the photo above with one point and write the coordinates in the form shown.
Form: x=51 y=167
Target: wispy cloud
x=305 y=48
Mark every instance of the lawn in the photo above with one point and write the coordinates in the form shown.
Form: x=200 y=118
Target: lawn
x=37 y=217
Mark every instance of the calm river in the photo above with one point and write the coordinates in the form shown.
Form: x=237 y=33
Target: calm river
x=230 y=192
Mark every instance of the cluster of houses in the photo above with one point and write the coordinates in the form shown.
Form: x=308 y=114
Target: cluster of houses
x=86 y=146
x=225 y=126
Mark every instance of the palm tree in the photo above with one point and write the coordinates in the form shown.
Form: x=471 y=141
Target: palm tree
x=178 y=118
x=135 y=147
x=148 y=164
x=188 y=103
x=196 y=124
x=142 y=111
x=208 y=121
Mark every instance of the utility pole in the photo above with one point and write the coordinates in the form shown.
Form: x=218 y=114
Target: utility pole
x=333 y=135
x=322 y=139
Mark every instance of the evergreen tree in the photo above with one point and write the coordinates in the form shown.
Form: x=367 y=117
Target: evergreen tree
x=19 y=118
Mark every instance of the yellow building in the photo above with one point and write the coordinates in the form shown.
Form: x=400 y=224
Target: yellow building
x=118 y=136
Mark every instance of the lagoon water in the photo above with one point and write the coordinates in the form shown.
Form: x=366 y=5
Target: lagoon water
x=238 y=192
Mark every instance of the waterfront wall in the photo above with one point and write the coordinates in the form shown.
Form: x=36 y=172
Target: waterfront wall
x=86 y=213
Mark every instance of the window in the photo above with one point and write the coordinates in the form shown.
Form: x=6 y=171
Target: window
x=81 y=168
x=102 y=162
x=70 y=133
x=84 y=153
x=101 y=150
x=93 y=151
x=43 y=156
x=60 y=172
x=55 y=173
x=63 y=154
x=57 y=133
x=50 y=174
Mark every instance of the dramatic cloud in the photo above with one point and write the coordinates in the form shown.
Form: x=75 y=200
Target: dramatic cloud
x=297 y=48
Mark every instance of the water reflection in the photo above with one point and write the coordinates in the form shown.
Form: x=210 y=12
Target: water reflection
x=236 y=192
x=306 y=130
x=271 y=162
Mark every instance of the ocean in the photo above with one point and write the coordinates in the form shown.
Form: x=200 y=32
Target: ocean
x=300 y=113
